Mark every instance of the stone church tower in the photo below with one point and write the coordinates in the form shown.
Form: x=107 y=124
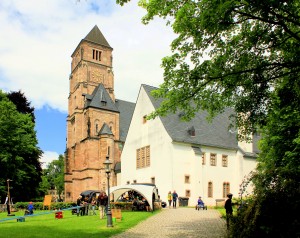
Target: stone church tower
x=97 y=123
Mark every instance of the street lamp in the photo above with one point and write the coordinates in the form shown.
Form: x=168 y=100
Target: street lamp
x=107 y=163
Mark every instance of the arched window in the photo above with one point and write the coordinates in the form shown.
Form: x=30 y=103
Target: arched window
x=226 y=189
x=210 y=190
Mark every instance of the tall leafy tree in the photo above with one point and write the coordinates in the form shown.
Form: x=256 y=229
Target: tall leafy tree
x=19 y=154
x=54 y=175
x=22 y=104
x=227 y=53
x=245 y=55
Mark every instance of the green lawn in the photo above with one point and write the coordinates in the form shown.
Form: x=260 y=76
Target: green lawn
x=46 y=226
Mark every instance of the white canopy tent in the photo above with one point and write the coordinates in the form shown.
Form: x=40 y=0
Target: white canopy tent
x=148 y=191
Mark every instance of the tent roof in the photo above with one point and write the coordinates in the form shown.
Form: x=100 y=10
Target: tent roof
x=146 y=190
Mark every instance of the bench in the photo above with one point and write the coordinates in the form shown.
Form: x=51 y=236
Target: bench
x=21 y=219
x=220 y=202
x=116 y=213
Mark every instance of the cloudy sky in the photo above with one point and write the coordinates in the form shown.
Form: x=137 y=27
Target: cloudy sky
x=37 y=38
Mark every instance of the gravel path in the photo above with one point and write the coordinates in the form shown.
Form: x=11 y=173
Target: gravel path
x=180 y=222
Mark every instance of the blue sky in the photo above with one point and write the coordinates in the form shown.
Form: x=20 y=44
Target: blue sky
x=37 y=39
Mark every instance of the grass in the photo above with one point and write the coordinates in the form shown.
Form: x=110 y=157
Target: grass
x=70 y=226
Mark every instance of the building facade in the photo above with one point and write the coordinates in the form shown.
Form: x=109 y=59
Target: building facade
x=97 y=123
x=195 y=158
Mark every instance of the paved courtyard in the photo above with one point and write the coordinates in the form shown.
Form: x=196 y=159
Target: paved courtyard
x=180 y=222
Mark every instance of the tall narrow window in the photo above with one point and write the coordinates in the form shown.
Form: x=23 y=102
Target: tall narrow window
x=153 y=180
x=210 y=190
x=187 y=193
x=226 y=189
x=203 y=159
x=213 y=159
x=224 y=160
x=138 y=158
x=186 y=179
x=148 y=155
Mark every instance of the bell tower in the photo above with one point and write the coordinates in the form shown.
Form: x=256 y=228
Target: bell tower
x=91 y=107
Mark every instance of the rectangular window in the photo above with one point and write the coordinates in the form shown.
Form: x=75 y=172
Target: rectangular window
x=213 y=159
x=225 y=160
x=97 y=55
x=134 y=181
x=153 y=180
x=186 y=179
x=203 y=159
x=210 y=190
x=148 y=155
x=226 y=189
x=143 y=157
x=187 y=193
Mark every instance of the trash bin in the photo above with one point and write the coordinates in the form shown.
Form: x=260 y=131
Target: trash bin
x=183 y=201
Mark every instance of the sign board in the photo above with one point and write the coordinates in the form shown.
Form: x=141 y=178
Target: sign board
x=47 y=201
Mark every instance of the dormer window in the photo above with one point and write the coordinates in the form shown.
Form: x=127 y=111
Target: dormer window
x=97 y=55
x=192 y=131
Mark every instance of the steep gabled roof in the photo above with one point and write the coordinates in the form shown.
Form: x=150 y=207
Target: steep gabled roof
x=126 y=111
x=96 y=36
x=198 y=131
x=100 y=99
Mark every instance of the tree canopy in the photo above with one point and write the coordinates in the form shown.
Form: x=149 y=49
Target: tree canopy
x=245 y=55
x=227 y=54
x=53 y=177
x=19 y=154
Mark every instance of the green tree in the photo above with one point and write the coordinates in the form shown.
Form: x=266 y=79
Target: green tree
x=249 y=46
x=245 y=55
x=19 y=153
x=54 y=175
x=22 y=104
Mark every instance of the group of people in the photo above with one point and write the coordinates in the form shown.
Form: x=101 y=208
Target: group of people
x=140 y=204
x=86 y=206
x=172 y=197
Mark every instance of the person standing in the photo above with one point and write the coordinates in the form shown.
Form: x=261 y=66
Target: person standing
x=174 y=197
x=7 y=202
x=93 y=204
x=170 y=198
x=228 y=208
x=102 y=200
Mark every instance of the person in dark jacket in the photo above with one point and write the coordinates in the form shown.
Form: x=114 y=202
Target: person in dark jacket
x=102 y=201
x=228 y=208
x=174 y=197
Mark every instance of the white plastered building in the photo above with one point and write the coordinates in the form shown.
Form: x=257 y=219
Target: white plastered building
x=195 y=158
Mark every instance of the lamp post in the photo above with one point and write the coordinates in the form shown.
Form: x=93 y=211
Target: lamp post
x=107 y=163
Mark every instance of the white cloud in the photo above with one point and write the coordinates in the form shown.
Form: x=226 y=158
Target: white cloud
x=37 y=40
x=48 y=157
